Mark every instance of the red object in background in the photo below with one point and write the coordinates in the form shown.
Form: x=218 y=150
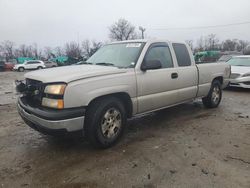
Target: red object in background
x=9 y=66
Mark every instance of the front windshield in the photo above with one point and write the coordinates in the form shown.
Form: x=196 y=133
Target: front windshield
x=240 y=61
x=122 y=55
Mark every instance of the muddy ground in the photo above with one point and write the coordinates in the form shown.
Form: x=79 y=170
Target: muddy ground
x=184 y=146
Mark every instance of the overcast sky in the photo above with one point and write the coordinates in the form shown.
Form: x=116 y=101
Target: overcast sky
x=54 y=22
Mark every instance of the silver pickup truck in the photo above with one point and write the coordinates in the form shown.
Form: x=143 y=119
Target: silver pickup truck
x=121 y=80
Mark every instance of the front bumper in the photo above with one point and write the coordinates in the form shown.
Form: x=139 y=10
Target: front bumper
x=51 y=122
x=243 y=82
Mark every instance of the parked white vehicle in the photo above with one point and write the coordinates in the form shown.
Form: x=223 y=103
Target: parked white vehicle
x=29 y=65
x=50 y=64
x=121 y=80
x=240 y=67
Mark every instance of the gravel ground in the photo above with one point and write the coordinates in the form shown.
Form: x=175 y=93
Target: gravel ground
x=183 y=146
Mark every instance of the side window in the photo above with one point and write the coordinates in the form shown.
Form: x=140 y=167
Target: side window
x=161 y=53
x=32 y=62
x=182 y=55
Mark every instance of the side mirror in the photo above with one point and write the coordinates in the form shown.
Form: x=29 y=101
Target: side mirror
x=150 y=65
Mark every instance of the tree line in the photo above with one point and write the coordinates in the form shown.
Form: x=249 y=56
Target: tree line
x=120 y=30
x=8 y=50
x=211 y=42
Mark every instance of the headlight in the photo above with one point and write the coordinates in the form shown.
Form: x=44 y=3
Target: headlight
x=245 y=75
x=55 y=89
x=53 y=103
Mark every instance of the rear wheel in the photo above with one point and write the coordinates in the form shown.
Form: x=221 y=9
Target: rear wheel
x=39 y=67
x=214 y=96
x=21 y=69
x=105 y=122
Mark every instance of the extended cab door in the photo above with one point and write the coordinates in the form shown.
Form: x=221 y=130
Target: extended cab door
x=157 y=88
x=187 y=72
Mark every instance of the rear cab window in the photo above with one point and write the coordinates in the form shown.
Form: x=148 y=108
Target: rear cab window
x=182 y=54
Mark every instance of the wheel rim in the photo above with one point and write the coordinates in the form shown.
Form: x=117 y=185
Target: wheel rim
x=216 y=94
x=111 y=123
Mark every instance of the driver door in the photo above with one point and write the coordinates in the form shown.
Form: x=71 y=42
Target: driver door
x=157 y=88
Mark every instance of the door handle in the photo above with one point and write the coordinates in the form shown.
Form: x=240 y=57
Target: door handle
x=174 y=75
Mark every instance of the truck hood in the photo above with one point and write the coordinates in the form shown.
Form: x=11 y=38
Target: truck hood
x=70 y=73
x=240 y=69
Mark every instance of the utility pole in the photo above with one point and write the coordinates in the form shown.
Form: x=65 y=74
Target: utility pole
x=142 y=31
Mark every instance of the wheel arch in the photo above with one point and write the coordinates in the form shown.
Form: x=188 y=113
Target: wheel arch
x=219 y=78
x=122 y=96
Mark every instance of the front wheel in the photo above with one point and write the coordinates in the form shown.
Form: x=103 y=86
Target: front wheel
x=214 y=96
x=21 y=69
x=105 y=122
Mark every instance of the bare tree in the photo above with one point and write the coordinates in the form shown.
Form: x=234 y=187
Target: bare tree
x=27 y=51
x=95 y=47
x=73 y=50
x=8 y=49
x=24 y=50
x=86 y=48
x=59 y=51
x=247 y=50
x=211 y=42
x=1 y=51
x=48 y=52
x=229 y=45
x=89 y=48
x=122 y=30
x=35 y=51
x=200 y=44
x=242 y=44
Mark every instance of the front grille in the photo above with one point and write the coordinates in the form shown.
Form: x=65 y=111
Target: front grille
x=234 y=75
x=34 y=91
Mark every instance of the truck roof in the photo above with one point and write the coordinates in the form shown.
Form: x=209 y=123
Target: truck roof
x=147 y=40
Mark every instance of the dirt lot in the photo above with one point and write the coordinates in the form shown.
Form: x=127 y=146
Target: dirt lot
x=184 y=146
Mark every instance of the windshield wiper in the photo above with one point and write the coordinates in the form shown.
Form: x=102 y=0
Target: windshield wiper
x=105 y=64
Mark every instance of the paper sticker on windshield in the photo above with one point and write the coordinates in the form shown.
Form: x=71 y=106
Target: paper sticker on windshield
x=133 y=45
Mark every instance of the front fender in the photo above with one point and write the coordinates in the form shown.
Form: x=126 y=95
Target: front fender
x=82 y=92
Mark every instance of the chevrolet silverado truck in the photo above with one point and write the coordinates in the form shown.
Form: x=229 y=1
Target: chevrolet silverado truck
x=121 y=80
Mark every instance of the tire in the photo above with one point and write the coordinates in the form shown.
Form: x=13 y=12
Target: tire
x=21 y=69
x=214 y=96
x=39 y=67
x=105 y=123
